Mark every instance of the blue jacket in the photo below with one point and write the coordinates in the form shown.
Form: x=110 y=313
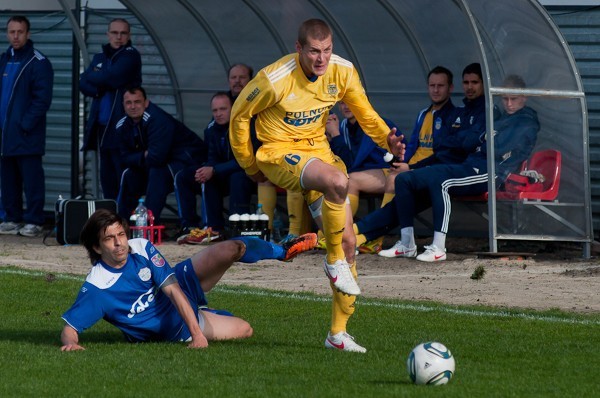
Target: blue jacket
x=442 y=122
x=514 y=139
x=358 y=151
x=24 y=129
x=110 y=73
x=220 y=155
x=168 y=142
x=462 y=138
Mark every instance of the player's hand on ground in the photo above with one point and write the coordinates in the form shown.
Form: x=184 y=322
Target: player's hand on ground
x=72 y=347
x=258 y=177
x=395 y=143
x=198 y=342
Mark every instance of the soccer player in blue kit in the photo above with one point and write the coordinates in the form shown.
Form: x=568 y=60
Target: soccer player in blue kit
x=132 y=286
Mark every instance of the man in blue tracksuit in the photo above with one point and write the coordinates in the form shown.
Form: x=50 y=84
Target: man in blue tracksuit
x=219 y=177
x=25 y=97
x=515 y=135
x=116 y=68
x=154 y=147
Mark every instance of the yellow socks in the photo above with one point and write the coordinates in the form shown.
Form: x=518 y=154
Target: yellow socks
x=295 y=205
x=354 y=202
x=342 y=308
x=334 y=219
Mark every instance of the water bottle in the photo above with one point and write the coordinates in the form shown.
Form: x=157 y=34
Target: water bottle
x=234 y=224
x=263 y=218
x=141 y=218
x=245 y=222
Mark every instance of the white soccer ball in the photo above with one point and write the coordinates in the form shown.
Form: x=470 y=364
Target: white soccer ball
x=430 y=363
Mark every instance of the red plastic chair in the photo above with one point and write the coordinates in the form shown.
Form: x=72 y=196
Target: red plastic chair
x=548 y=163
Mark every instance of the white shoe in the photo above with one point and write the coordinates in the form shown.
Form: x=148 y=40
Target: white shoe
x=10 y=228
x=31 y=230
x=340 y=275
x=399 y=250
x=431 y=254
x=343 y=342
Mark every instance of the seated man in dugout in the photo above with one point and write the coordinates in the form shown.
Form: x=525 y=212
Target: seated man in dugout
x=364 y=159
x=219 y=177
x=514 y=136
x=154 y=147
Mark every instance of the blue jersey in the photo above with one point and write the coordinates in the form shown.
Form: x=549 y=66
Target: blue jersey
x=130 y=298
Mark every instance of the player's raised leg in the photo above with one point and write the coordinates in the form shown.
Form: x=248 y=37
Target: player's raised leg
x=333 y=183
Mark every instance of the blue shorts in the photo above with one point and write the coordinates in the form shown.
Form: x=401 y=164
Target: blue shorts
x=186 y=276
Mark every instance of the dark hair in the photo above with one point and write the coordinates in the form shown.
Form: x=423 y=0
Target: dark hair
x=221 y=94
x=514 y=81
x=135 y=89
x=473 y=68
x=19 y=19
x=248 y=67
x=126 y=22
x=97 y=223
x=315 y=28
x=440 y=70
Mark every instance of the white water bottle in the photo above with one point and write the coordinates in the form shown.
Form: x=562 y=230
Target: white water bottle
x=141 y=218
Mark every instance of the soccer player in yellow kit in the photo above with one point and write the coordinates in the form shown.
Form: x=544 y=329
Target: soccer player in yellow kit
x=291 y=99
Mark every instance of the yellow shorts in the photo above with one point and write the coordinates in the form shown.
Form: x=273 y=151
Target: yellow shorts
x=284 y=167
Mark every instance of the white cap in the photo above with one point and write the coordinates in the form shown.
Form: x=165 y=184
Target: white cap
x=245 y=217
x=234 y=217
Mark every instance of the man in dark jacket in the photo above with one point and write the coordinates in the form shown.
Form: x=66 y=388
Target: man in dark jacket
x=25 y=97
x=154 y=147
x=116 y=68
x=219 y=177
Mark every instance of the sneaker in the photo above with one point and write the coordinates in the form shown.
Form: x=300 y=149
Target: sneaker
x=10 y=228
x=299 y=244
x=399 y=250
x=31 y=230
x=343 y=342
x=431 y=254
x=287 y=238
x=198 y=236
x=340 y=275
x=371 y=247
x=321 y=244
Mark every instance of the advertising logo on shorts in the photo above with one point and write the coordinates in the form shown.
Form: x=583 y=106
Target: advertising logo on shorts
x=292 y=159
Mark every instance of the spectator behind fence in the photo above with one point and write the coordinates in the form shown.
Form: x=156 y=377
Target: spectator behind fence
x=154 y=148
x=25 y=97
x=221 y=176
x=515 y=134
x=111 y=72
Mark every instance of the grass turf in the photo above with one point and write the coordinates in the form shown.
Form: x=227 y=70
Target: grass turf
x=498 y=353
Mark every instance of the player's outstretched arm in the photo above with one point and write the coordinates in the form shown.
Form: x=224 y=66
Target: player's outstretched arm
x=70 y=339
x=175 y=294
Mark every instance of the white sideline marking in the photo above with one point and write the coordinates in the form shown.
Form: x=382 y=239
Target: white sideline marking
x=369 y=303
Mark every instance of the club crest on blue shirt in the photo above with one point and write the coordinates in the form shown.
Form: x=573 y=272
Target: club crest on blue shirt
x=438 y=123
x=145 y=274
x=158 y=260
x=292 y=159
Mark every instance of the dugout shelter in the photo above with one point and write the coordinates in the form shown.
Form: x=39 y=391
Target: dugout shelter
x=393 y=44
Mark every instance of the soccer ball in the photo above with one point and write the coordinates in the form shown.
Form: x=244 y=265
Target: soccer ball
x=430 y=363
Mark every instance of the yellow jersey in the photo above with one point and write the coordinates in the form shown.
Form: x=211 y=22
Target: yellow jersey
x=290 y=107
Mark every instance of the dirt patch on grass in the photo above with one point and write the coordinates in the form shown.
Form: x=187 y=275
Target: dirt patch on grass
x=535 y=276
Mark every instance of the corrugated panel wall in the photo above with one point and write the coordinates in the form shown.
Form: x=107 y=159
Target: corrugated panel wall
x=52 y=35
x=581 y=28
